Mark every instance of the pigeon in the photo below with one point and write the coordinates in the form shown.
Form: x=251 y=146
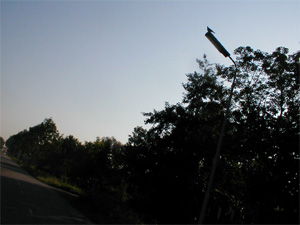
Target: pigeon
x=210 y=30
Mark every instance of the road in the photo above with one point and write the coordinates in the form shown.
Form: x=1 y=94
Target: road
x=25 y=200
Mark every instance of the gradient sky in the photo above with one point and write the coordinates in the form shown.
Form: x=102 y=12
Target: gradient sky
x=94 y=66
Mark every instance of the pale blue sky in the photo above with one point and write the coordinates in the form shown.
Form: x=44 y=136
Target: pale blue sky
x=94 y=66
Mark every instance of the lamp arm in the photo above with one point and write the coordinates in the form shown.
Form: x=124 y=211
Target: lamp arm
x=218 y=150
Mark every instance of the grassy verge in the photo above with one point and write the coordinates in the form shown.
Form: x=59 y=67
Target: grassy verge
x=103 y=206
x=47 y=178
x=54 y=181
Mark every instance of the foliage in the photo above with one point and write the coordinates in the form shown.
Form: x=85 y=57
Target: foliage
x=92 y=170
x=54 y=181
x=258 y=175
x=2 y=142
x=161 y=174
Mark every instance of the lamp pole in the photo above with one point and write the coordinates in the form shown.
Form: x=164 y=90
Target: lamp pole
x=222 y=50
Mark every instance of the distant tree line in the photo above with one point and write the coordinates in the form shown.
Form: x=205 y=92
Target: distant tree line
x=94 y=167
x=161 y=174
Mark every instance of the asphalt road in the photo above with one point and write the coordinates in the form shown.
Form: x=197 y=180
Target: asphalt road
x=25 y=200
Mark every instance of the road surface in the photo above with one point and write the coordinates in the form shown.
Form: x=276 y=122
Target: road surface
x=25 y=200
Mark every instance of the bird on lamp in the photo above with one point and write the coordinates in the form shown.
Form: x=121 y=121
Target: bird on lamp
x=210 y=30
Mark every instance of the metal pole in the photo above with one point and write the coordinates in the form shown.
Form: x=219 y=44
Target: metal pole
x=216 y=158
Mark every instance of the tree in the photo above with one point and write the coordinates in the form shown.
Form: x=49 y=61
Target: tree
x=36 y=144
x=162 y=172
x=2 y=142
x=257 y=176
x=16 y=144
x=95 y=167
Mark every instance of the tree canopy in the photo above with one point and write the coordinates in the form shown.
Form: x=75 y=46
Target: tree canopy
x=258 y=175
x=161 y=174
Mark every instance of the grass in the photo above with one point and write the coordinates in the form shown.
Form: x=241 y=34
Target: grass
x=56 y=182
x=47 y=178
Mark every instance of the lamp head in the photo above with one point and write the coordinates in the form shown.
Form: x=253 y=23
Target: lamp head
x=217 y=44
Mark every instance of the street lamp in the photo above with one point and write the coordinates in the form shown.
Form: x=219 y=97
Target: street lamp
x=222 y=50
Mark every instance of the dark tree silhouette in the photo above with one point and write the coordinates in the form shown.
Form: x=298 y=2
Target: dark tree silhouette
x=161 y=174
x=257 y=178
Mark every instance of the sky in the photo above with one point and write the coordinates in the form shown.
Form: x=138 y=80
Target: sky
x=95 y=66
